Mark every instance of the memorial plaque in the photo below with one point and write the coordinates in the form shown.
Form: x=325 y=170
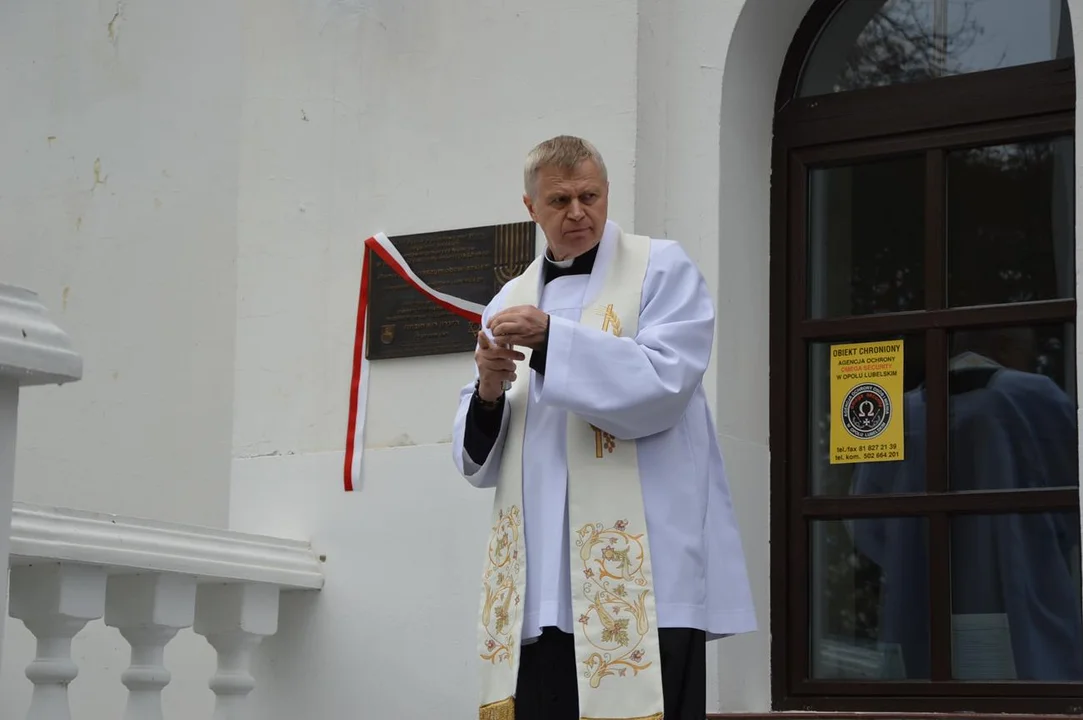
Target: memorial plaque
x=471 y=264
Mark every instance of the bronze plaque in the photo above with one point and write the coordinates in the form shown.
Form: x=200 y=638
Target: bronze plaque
x=471 y=264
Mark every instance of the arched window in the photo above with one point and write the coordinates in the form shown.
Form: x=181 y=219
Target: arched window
x=867 y=43
x=924 y=443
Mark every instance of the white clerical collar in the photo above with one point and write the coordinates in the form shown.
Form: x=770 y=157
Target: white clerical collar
x=566 y=263
x=609 y=233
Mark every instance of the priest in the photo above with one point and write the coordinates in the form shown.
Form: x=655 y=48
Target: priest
x=613 y=554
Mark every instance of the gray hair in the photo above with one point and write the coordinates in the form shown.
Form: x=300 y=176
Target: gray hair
x=563 y=152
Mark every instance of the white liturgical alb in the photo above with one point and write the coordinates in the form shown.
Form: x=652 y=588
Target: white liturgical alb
x=651 y=391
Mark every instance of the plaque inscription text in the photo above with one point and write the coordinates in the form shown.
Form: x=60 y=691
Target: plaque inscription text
x=472 y=264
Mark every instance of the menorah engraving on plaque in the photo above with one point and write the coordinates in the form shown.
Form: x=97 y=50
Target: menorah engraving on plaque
x=513 y=251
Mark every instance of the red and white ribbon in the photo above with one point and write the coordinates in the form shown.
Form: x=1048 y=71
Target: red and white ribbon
x=359 y=387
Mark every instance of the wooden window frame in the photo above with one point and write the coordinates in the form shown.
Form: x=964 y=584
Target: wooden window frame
x=983 y=108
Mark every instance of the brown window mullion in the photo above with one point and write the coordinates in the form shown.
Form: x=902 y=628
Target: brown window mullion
x=954 y=689
x=939 y=550
x=782 y=352
x=797 y=543
x=936 y=420
x=981 y=502
x=936 y=411
x=1032 y=127
x=1038 y=312
x=936 y=483
x=935 y=225
x=797 y=663
x=899 y=110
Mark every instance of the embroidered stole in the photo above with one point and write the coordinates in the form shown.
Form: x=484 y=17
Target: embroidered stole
x=616 y=639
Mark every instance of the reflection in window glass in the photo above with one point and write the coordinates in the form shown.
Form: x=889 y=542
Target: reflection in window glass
x=866 y=238
x=872 y=43
x=869 y=609
x=1015 y=597
x=1012 y=408
x=1011 y=223
x=863 y=478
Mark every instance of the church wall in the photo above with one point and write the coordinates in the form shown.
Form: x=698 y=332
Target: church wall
x=679 y=145
x=118 y=205
x=401 y=117
x=245 y=149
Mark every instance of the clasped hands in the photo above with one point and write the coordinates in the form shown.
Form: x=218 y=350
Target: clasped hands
x=519 y=326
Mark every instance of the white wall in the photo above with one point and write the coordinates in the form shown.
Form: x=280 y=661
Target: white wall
x=659 y=108
x=680 y=144
x=118 y=205
x=402 y=117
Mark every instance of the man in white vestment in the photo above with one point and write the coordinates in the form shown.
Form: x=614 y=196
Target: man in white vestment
x=588 y=384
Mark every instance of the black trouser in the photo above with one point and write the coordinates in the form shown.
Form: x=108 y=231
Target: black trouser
x=547 y=688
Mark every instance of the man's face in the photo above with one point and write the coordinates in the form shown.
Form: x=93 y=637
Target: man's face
x=571 y=207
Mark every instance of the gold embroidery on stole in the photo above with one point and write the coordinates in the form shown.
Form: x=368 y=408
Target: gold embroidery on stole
x=502 y=710
x=501 y=606
x=602 y=439
x=610 y=320
x=616 y=621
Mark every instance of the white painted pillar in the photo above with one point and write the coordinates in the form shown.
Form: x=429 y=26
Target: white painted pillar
x=149 y=610
x=55 y=601
x=235 y=619
x=33 y=351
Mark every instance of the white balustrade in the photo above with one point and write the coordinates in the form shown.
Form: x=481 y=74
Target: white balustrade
x=148 y=580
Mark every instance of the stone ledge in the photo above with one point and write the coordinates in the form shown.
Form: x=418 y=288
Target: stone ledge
x=125 y=545
x=33 y=350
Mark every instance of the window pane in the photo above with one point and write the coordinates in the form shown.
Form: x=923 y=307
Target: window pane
x=870 y=599
x=1012 y=408
x=866 y=238
x=871 y=43
x=828 y=473
x=1015 y=598
x=1011 y=223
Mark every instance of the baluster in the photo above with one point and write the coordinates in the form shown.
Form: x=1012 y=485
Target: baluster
x=55 y=601
x=148 y=610
x=234 y=619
